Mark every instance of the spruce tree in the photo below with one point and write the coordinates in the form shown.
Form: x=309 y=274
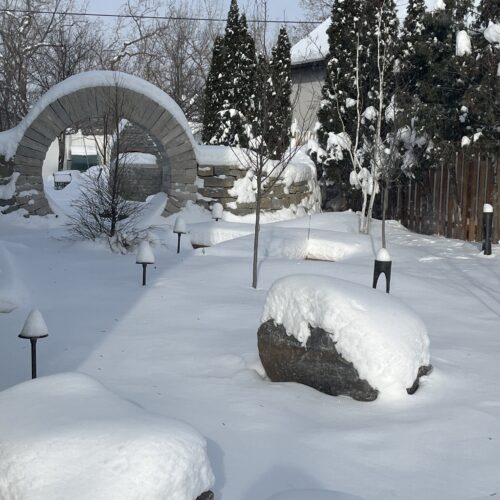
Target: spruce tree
x=238 y=81
x=214 y=93
x=280 y=112
x=482 y=96
x=488 y=11
x=443 y=87
x=340 y=96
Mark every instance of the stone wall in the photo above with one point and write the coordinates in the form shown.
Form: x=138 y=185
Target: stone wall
x=215 y=183
x=28 y=194
x=142 y=181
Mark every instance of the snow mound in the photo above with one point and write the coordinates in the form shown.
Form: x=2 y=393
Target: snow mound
x=384 y=339
x=66 y=436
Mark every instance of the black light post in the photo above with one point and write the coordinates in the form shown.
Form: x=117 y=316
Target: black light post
x=34 y=328
x=383 y=265
x=487 y=225
x=217 y=211
x=145 y=256
x=179 y=229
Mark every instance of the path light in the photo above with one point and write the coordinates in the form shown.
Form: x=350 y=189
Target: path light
x=217 y=210
x=34 y=328
x=145 y=256
x=383 y=265
x=179 y=229
x=487 y=225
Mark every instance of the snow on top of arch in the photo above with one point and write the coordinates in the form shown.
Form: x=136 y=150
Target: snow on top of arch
x=10 y=138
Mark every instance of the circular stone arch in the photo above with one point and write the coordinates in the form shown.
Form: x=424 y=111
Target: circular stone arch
x=90 y=95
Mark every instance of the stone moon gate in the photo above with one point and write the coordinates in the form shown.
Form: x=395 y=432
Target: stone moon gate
x=87 y=96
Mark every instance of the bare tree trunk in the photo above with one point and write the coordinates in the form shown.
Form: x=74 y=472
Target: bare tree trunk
x=61 y=140
x=385 y=194
x=256 y=234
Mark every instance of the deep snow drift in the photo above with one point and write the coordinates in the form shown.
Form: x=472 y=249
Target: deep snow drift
x=67 y=437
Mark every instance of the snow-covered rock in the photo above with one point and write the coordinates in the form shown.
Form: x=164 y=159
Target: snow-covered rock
x=385 y=340
x=67 y=437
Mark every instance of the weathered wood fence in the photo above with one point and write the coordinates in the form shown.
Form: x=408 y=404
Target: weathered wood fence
x=449 y=199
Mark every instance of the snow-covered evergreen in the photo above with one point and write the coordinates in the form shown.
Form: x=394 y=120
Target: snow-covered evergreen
x=281 y=108
x=214 y=92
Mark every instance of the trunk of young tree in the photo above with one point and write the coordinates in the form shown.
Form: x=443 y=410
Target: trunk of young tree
x=385 y=194
x=256 y=234
x=61 y=141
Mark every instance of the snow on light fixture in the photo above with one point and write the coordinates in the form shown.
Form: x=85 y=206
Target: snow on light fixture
x=217 y=210
x=145 y=256
x=179 y=229
x=383 y=265
x=34 y=328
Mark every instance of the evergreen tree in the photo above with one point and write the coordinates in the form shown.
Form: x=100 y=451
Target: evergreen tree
x=214 y=93
x=280 y=112
x=482 y=96
x=442 y=88
x=342 y=93
x=237 y=81
x=488 y=10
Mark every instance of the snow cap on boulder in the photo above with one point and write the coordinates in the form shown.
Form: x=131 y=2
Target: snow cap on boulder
x=383 y=338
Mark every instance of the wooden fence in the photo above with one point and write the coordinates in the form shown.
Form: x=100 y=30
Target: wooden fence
x=449 y=200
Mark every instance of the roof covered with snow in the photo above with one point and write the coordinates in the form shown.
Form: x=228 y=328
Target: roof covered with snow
x=314 y=47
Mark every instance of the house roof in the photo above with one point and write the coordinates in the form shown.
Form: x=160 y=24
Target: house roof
x=314 y=47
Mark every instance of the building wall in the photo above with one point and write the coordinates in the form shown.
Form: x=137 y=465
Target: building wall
x=307 y=82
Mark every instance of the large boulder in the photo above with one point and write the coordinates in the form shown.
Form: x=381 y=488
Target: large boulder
x=317 y=364
x=341 y=339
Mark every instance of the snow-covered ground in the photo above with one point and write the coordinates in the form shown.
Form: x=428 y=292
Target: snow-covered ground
x=185 y=347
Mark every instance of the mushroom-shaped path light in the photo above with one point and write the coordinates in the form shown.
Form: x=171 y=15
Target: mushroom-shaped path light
x=179 y=229
x=383 y=265
x=144 y=256
x=34 y=328
x=217 y=210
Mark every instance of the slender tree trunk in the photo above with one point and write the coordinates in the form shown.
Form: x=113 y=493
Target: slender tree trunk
x=385 y=194
x=362 y=219
x=370 y=206
x=62 y=150
x=256 y=234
